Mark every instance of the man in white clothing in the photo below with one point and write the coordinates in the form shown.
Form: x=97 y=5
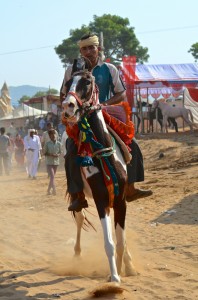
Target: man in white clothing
x=32 y=148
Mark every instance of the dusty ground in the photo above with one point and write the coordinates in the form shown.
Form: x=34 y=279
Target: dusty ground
x=37 y=232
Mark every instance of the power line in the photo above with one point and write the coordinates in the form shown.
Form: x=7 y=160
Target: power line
x=26 y=50
x=168 y=29
x=142 y=32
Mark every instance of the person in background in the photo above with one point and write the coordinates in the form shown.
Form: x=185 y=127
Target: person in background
x=46 y=138
x=42 y=123
x=12 y=130
x=19 y=150
x=21 y=132
x=4 y=156
x=61 y=129
x=11 y=150
x=32 y=148
x=36 y=133
x=52 y=150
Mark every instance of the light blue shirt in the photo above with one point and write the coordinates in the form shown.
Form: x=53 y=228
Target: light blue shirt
x=52 y=148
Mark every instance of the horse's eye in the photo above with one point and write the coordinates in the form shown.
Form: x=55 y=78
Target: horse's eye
x=71 y=105
x=87 y=82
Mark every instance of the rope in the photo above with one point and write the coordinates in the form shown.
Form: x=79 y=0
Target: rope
x=88 y=137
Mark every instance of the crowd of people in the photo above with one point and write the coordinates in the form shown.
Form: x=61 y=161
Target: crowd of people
x=23 y=149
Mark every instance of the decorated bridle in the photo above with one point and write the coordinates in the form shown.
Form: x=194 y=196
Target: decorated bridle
x=92 y=103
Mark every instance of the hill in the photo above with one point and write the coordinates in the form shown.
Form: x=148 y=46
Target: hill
x=16 y=92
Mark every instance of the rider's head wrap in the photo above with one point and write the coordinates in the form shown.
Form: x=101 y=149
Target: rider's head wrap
x=89 y=41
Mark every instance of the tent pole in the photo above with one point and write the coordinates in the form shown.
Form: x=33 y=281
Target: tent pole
x=147 y=120
x=183 y=106
x=141 y=115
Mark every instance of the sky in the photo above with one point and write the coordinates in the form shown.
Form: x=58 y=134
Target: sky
x=30 y=29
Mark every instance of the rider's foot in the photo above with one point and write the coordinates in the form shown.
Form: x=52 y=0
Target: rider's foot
x=133 y=194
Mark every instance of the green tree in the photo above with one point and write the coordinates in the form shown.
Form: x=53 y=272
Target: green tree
x=39 y=94
x=194 y=51
x=119 y=40
x=23 y=99
x=52 y=92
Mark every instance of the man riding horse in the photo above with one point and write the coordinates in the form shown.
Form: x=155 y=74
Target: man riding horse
x=111 y=91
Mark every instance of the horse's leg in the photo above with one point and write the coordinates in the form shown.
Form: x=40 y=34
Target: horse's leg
x=169 y=122
x=109 y=246
x=165 y=129
x=79 y=217
x=129 y=267
x=138 y=123
x=186 y=119
x=150 y=123
x=161 y=124
x=119 y=223
x=101 y=198
x=174 y=124
x=122 y=251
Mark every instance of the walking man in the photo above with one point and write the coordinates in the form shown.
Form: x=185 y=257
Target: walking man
x=52 y=151
x=4 y=155
x=32 y=148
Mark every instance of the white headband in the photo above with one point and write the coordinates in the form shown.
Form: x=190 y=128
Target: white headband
x=92 y=40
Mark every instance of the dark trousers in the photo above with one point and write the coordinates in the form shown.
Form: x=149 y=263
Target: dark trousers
x=72 y=169
x=135 y=169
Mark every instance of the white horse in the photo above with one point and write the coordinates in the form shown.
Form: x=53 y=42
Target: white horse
x=81 y=100
x=173 y=112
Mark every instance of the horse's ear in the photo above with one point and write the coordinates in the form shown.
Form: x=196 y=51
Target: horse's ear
x=74 y=66
x=87 y=64
x=81 y=64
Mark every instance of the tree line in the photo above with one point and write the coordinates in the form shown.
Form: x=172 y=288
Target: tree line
x=119 y=40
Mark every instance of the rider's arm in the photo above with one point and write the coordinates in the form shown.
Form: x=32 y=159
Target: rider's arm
x=117 y=98
x=118 y=88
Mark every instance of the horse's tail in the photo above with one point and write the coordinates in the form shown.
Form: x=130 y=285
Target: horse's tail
x=191 y=115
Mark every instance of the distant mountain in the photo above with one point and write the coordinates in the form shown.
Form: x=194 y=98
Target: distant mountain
x=16 y=92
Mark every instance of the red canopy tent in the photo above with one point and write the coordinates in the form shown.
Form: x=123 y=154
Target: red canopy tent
x=163 y=79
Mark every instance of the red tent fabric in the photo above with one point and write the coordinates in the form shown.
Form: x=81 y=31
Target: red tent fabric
x=193 y=94
x=191 y=102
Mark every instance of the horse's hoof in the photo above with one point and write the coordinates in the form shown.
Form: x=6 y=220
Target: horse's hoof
x=114 y=278
x=131 y=272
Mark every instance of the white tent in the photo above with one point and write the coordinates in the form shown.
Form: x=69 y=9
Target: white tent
x=24 y=111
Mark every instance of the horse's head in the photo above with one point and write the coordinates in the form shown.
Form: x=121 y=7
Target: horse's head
x=155 y=104
x=81 y=92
